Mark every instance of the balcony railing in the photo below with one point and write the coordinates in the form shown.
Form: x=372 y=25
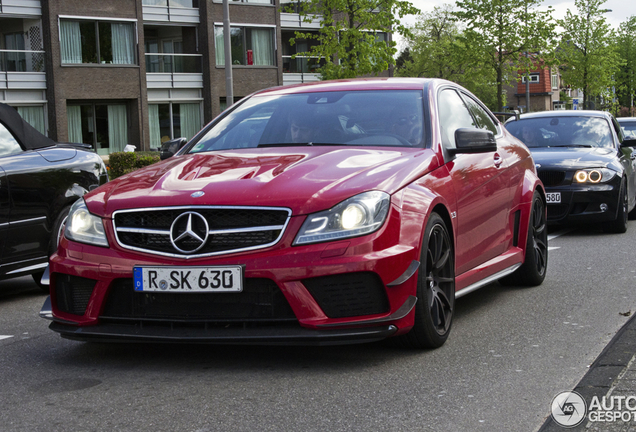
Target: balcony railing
x=21 y=61
x=173 y=63
x=301 y=64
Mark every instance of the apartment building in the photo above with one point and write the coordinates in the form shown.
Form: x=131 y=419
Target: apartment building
x=117 y=72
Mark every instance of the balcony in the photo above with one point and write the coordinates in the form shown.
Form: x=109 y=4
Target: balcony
x=20 y=7
x=295 y=21
x=174 y=70
x=300 y=69
x=173 y=11
x=21 y=69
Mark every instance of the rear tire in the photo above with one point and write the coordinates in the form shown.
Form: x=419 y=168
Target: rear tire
x=532 y=271
x=435 y=289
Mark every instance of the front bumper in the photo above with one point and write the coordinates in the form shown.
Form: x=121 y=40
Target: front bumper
x=381 y=269
x=583 y=204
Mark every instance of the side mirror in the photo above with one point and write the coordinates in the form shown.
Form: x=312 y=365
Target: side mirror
x=472 y=140
x=629 y=142
x=170 y=148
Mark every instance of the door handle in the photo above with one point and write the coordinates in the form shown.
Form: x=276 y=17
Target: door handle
x=498 y=160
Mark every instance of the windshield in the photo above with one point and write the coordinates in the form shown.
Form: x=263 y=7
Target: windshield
x=575 y=131
x=629 y=129
x=357 y=118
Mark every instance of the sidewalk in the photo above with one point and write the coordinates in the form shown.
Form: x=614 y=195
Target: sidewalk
x=612 y=375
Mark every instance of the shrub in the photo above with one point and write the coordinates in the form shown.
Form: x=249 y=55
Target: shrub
x=121 y=163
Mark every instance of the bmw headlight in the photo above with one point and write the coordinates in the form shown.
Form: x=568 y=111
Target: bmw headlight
x=356 y=216
x=83 y=227
x=593 y=175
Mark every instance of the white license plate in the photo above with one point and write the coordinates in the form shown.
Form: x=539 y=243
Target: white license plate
x=224 y=279
x=553 y=197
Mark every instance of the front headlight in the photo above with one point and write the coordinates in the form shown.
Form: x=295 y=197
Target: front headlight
x=83 y=227
x=356 y=216
x=593 y=175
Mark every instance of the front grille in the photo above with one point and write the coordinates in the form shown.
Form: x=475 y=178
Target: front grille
x=72 y=293
x=551 y=178
x=348 y=295
x=199 y=231
x=260 y=301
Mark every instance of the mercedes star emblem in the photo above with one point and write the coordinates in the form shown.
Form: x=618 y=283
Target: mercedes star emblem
x=189 y=232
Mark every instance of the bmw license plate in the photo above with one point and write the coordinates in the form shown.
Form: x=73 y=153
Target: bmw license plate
x=222 y=279
x=553 y=197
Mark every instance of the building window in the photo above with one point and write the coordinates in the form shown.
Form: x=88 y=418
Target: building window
x=299 y=64
x=173 y=120
x=171 y=49
x=555 y=81
x=33 y=115
x=102 y=125
x=252 y=46
x=534 y=78
x=97 y=42
x=15 y=61
x=172 y=3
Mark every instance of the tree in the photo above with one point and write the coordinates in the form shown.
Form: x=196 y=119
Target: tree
x=499 y=34
x=626 y=77
x=349 y=33
x=588 y=52
x=435 y=50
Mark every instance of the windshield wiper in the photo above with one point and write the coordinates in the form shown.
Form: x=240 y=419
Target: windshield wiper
x=574 y=145
x=305 y=144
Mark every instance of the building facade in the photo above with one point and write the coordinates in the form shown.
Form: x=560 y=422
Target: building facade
x=140 y=72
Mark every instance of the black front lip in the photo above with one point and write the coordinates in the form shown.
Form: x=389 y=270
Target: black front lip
x=289 y=335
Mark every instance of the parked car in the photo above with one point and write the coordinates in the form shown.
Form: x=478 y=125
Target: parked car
x=585 y=163
x=628 y=125
x=337 y=212
x=39 y=181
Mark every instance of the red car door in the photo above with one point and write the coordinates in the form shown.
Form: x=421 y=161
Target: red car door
x=483 y=195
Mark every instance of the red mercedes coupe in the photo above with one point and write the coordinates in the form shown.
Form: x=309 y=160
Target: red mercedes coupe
x=329 y=213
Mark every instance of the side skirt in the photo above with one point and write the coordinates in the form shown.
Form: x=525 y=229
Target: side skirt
x=486 y=281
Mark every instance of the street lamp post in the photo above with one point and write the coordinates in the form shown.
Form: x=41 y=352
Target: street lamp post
x=229 y=85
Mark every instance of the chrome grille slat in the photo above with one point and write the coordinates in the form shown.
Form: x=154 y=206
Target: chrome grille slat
x=231 y=229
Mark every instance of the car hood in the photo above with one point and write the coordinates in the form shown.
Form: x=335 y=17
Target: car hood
x=306 y=180
x=565 y=158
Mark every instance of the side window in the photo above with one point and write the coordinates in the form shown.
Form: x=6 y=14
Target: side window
x=618 y=130
x=484 y=121
x=8 y=144
x=453 y=115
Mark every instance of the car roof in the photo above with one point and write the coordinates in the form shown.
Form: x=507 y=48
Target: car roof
x=626 y=119
x=566 y=113
x=26 y=135
x=354 y=84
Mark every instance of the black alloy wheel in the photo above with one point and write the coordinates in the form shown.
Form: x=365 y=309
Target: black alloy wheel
x=436 y=288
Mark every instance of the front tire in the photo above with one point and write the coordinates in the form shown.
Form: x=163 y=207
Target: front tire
x=619 y=225
x=435 y=288
x=532 y=271
x=56 y=235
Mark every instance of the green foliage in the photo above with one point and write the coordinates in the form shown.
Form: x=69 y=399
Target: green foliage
x=499 y=33
x=348 y=40
x=436 y=50
x=121 y=163
x=589 y=51
x=626 y=76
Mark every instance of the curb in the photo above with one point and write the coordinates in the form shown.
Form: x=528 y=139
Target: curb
x=603 y=373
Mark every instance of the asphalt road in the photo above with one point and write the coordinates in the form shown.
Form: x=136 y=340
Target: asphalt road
x=510 y=352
